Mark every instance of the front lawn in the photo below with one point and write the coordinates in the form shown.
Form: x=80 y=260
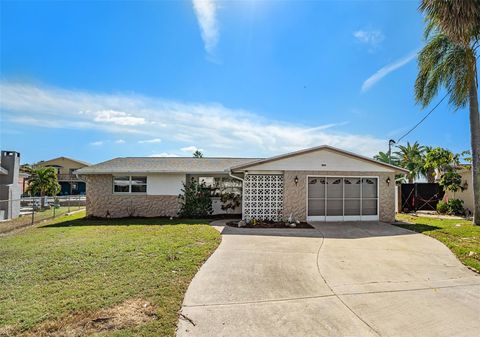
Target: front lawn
x=80 y=277
x=461 y=236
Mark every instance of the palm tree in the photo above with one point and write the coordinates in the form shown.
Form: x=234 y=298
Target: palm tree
x=385 y=158
x=197 y=154
x=410 y=157
x=449 y=59
x=43 y=181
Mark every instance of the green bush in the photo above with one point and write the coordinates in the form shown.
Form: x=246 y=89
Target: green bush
x=452 y=207
x=195 y=201
x=442 y=207
x=455 y=207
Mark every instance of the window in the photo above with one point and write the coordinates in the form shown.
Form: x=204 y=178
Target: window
x=130 y=184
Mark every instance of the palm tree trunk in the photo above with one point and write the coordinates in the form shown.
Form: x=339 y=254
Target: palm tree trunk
x=475 y=138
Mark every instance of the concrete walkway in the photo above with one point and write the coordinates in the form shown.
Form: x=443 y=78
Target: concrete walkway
x=342 y=279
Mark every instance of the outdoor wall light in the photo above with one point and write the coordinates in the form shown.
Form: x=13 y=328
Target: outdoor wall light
x=465 y=185
x=388 y=180
x=296 y=180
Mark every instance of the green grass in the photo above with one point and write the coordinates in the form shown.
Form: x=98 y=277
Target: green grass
x=461 y=236
x=74 y=266
x=26 y=220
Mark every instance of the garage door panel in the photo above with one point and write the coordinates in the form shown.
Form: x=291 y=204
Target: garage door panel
x=342 y=198
x=316 y=207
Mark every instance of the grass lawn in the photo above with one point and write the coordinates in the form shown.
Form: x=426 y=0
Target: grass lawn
x=79 y=277
x=461 y=236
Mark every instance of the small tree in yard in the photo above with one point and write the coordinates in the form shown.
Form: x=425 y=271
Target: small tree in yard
x=43 y=182
x=195 y=201
x=451 y=181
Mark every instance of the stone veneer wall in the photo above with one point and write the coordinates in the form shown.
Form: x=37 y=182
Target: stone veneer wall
x=100 y=200
x=295 y=197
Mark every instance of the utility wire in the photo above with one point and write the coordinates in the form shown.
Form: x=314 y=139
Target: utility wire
x=425 y=117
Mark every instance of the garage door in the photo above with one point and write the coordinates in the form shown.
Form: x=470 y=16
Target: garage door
x=342 y=198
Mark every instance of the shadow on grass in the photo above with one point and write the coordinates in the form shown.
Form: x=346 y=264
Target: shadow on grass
x=419 y=228
x=125 y=222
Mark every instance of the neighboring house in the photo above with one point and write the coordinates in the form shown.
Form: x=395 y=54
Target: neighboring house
x=69 y=182
x=467 y=194
x=9 y=185
x=322 y=183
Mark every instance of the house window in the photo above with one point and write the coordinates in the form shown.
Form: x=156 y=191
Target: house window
x=130 y=184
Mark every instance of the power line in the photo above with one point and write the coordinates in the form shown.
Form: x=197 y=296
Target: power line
x=425 y=117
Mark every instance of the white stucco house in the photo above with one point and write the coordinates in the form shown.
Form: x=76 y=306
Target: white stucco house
x=316 y=184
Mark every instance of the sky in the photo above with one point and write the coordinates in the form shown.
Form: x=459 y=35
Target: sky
x=97 y=80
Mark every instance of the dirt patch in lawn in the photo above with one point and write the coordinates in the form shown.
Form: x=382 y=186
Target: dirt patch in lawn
x=270 y=224
x=125 y=315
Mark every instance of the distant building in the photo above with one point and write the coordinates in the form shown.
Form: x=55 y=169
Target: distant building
x=466 y=195
x=70 y=183
x=9 y=185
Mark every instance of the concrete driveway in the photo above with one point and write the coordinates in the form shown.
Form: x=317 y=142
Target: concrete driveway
x=342 y=279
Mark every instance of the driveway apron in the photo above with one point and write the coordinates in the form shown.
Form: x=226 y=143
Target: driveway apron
x=338 y=279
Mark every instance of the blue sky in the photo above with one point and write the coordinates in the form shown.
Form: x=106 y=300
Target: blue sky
x=97 y=80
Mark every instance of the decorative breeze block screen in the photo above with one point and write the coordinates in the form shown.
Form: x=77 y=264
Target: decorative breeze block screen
x=263 y=197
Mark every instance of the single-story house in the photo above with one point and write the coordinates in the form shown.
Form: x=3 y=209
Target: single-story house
x=316 y=184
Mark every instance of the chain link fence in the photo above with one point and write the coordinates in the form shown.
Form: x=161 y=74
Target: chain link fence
x=27 y=211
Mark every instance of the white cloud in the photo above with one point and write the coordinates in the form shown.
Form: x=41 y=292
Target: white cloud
x=164 y=154
x=217 y=129
x=191 y=149
x=206 y=12
x=150 y=141
x=373 y=38
x=97 y=143
x=382 y=72
x=119 y=141
x=117 y=117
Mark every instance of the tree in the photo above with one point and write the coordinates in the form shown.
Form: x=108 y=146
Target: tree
x=410 y=157
x=195 y=201
x=440 y=160
x=197 y=154
x=384 y=158
x=449 y=59
x=43 y=181
x=451 y=181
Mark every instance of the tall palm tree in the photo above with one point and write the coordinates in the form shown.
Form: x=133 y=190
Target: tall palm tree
x=449 y=60
x=43 y=181
x=410 y=157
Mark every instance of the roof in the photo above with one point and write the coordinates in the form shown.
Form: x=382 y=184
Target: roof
x=71 y=159
x=312 y=149
x=164 y=165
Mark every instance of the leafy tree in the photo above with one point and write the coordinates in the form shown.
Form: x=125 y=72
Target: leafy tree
x=384 y=158
x=451 y=181
x=410 y=157
x=197 y=154
x=449 y=59
x=440 y=160
x=195 y=201
x=43 y=181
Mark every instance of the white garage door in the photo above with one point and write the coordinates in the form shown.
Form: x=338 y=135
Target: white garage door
x=342 y=198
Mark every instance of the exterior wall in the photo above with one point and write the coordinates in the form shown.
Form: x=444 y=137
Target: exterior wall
x=101 y=200
x=295 y=196
x=165 y=184
x=322 y=159
x=466 y=195
x=9 y=187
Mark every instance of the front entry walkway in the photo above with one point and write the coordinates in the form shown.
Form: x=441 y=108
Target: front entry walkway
x=339 y=279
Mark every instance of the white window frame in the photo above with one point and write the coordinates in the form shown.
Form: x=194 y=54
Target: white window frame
x=343 y=217
x=129 y=185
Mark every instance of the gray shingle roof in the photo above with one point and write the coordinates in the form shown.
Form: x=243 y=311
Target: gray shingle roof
x=164 y=165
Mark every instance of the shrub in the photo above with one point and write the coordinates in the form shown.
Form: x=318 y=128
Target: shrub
x=455 y=207
x=195 y=200
x=442 y=207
